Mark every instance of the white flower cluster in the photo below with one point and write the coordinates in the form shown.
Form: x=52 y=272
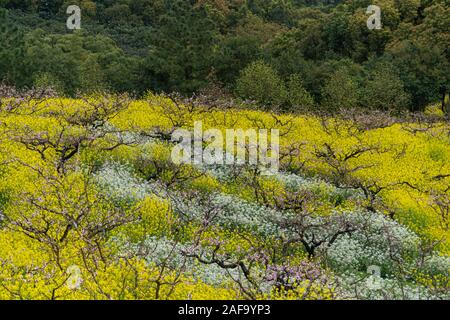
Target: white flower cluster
x=373 y=239
x=326 y=190
x=156 y=251
x=240 y=213
x=437 y=265
x=120 y=183
x=381 y=242
x=357 y=286
x=377 y=241
x=223 y=173
x=228 y=211
x=161 y=251
x=126 y=137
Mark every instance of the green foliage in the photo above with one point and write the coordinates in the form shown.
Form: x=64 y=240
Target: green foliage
x=421 y=55
x=12 y=68
x=164 y=45
x=180 y=55
x=422 y=69
x=384 y=89
x=79 y=62
x=46 y=80
x=340 y=91
x=233 y=54
x=297 y=96
x=260 y=83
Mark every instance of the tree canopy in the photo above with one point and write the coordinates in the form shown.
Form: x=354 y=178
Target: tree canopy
x=175 y=45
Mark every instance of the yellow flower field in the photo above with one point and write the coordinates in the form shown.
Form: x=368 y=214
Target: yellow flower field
x=90 y=183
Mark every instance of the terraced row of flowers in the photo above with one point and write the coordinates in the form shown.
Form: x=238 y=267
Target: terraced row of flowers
x=92 y=207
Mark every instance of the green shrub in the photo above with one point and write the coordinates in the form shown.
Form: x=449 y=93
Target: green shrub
x=260 y=83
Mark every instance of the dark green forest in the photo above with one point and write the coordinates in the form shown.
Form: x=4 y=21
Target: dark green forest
x=314 y=54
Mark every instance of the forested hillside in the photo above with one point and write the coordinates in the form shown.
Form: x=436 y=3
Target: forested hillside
x=316 y=55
